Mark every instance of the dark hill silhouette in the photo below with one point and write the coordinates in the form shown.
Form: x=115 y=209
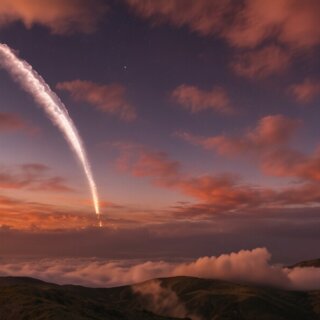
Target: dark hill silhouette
x=27 y=298
x=309 y=263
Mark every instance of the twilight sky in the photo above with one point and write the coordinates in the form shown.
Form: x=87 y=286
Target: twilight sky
x=200 y=118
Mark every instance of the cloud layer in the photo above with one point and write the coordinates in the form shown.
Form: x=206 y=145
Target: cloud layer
x=245 y=266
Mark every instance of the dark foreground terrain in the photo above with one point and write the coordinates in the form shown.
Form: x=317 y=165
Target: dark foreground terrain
x=179 y=297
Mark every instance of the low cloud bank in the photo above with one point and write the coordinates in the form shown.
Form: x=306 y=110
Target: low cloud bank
x=245 y=266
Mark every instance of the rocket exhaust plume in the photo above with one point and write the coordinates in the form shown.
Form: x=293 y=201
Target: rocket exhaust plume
x=34 y=84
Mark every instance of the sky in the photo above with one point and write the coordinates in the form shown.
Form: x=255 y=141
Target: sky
x=200 y=119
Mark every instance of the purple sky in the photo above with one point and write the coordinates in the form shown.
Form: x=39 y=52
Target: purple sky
x=200 y=118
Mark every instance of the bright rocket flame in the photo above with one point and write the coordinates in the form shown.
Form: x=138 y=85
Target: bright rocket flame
x=34 y=84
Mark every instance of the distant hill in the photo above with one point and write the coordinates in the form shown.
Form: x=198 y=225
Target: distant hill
x=184 y=297
x=309 y=263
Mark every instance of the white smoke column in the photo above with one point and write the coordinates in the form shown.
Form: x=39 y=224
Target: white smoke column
x=34 y=84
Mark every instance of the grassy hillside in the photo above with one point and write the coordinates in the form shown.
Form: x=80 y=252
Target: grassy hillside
x=25 y=298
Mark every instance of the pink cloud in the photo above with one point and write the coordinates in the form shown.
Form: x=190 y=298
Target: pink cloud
x=270 y=132
x=32 y=176
x=306 y=91
x=220 y=193
x=155 y=164
x=196 y=100
x=164 y=172
x=142 y=162
x=273 y=32
x=61 y=17
x=202 y=16
x=106 y=98
x=261 y=63
x=293 y=23
x=291 y=163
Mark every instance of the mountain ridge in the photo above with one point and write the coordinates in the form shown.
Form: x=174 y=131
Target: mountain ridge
x=157 y=299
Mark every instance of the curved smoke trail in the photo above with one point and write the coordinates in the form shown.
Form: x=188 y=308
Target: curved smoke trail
x=34 y=84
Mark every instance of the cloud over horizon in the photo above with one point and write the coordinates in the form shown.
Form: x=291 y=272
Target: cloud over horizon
x=33 y=176
x=245 y=266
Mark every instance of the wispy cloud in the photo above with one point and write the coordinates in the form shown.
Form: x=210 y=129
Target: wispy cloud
x=203 y=16
x=248 y=24
x=32 y=176
x=306 y=91
x=291 y=163
x=266 y=35
x=195 y=99
x=109 y=98
x=270 y=132
x=261 y=63
x=224 y=192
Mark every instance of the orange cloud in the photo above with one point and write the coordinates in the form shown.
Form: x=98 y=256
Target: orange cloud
x=261 y=63
x=24 y=215
x=141 y=162
x=33 y=177
x=271 y=131
x=224 y=191
x=196 y=100
x=306 y=91
x=106 y=98
x=155 y=164
x=219 y=193
x=59 y=16
x=19 y=214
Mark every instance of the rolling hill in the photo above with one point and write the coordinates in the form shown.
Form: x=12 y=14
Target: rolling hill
x=167 y=298
x=309 y=263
